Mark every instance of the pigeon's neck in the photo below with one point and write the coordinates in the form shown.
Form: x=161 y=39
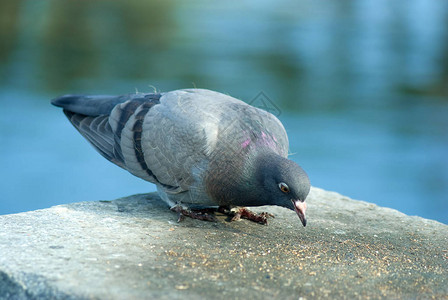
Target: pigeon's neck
x=257 y=175
x=246 y=186
x=265 y=164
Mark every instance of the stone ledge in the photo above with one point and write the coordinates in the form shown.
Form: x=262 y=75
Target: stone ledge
x=133 y=248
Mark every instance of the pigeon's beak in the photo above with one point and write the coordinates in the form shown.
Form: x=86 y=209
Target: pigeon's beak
x=300 y=208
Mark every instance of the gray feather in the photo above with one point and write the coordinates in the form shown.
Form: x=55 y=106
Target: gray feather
x=88 y=105
x=91 y=116
x=198 y=146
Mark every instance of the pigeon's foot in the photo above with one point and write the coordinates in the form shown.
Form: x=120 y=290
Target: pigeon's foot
x=238 y=212
x=202 y=214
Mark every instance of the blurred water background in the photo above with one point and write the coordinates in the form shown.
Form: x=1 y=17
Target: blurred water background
x=362 y=87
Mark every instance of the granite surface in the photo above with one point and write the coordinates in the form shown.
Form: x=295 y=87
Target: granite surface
x=133 y=248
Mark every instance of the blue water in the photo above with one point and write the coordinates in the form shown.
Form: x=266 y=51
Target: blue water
x=361 y=87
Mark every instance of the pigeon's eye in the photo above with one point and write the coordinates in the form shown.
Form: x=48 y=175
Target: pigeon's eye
x=283 y=187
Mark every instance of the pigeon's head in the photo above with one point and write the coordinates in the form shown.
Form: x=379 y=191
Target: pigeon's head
x=284 y=183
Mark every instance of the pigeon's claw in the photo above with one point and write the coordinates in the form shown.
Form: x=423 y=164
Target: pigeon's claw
x=236 y=213
x=203 y=215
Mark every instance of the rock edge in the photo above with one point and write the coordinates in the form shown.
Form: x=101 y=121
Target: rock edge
x=133 y=248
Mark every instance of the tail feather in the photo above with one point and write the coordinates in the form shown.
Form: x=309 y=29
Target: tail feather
x=98 y=132
x=89 y=105
x=101 y=119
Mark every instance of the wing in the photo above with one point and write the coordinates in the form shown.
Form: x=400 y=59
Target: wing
x=170 y=139
x=196 y=127
x=113 y=125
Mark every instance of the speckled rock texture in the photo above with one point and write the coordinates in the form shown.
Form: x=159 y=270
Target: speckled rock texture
x=133 y=248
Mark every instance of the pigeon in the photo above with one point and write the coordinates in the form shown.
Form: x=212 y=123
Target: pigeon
x=202 y=149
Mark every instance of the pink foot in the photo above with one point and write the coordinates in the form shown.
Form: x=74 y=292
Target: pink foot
x=237 y=213
x=203 y=215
